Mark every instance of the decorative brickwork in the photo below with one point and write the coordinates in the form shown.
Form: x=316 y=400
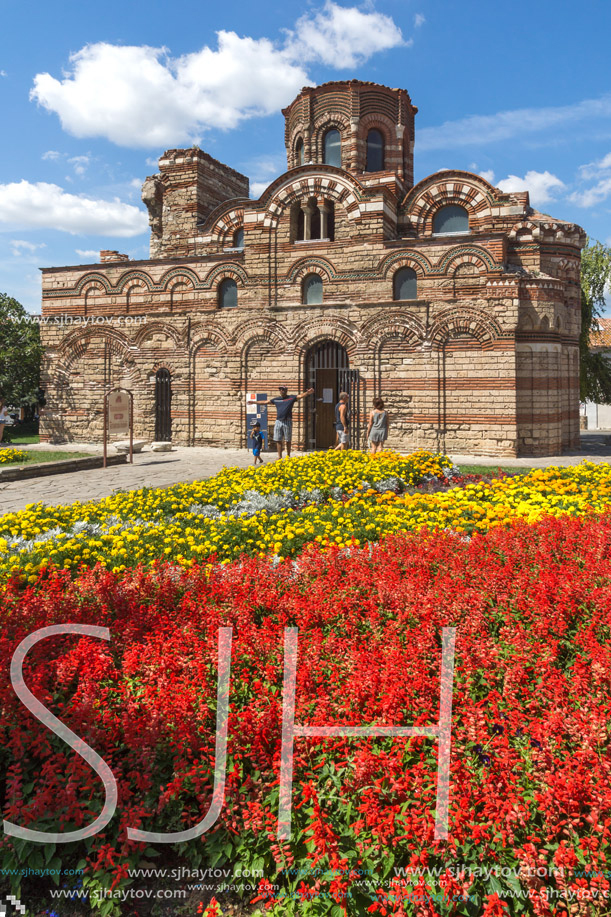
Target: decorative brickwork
x=483 y=359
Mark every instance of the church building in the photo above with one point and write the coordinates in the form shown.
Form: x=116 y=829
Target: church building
x=457 y=303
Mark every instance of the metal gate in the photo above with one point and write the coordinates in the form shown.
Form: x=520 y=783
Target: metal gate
x=328 y=373
x=351 y=382
x=163 y=406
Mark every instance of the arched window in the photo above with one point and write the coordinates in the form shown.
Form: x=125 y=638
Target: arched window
x=312 y=290
x=333 y=148
x=405 y=284
x=451 y=218
x=238 y=238
x=375 y=151
x=228 y=293
x=299 y=153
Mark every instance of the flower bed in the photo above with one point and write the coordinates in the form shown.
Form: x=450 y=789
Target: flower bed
x=346 y=499
x=531 y=764
x=8 y=456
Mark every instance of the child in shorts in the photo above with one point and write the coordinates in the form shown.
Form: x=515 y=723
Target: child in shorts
x=257 y=442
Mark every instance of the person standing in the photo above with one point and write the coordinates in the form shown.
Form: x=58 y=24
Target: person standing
x=257 y=443
x=377 y=429
x=342 y=421
x=283 y=428
x=4 y=417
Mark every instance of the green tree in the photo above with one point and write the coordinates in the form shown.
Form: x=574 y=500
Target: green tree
x=20 y=354
x=595 y=381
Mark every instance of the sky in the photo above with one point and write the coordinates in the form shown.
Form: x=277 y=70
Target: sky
x=92 y=94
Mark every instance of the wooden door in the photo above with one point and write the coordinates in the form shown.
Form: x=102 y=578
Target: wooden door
x=326 y=381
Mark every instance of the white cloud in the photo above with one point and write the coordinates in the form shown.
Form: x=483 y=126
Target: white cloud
x=263 y=170
x=540 y=185
x=594 y=169
x=488 y=174
x=27 y=205
x=87 y=254
x=19 y=246
x=139 y=96
x=80 y=163
x=341 y=36
x=419 y=20
x=592 y=196
x=599 y=192
x=51 y=154
x=506 y=125
x=257 y=188
x=3 y=73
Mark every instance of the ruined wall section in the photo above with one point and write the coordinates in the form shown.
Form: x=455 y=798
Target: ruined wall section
x=189 y=186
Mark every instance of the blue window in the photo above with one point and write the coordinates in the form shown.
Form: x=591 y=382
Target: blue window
x=375 y=151
x=238 y=238
x=451 y=218
x=312 y=290
x=333 y=148
x=299 y=153
x=405 y=284
x=228 y=294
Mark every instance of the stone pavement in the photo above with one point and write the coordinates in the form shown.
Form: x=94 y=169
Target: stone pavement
x=161 y=469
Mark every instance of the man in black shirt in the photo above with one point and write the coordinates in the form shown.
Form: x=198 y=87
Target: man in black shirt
x=283 y=428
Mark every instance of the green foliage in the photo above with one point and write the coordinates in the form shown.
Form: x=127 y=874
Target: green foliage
x=595 y=376
x=20 y=354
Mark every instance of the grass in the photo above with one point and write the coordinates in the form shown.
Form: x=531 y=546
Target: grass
x=38 y=458
x=494 y=469
x=21 y=434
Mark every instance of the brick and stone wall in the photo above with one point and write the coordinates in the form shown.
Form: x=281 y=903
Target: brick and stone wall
x=484 y=360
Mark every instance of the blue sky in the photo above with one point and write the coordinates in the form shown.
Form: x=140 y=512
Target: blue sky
x=92 y=94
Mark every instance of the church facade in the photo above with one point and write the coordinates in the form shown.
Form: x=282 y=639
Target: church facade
x=456 y=303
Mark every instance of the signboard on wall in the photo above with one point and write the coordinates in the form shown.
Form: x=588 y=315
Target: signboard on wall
x=256 y=411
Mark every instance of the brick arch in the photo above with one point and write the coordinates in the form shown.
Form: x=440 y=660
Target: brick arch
x=467 y=190
x=75 y=343
x=311 y=332
x=202 y=334
x=133 y=278
x=342 y=189
x=524 y=228
x=327 y=121
x=416 y=260
x=377 y=121
x=91 y=278
x=396 y=323
x=296 y=134
x=473 y=322
x=221 y=271
x=164 y=364
x=179 y=274
x=269 y=331
x=89 y=293
x=226 y=225
x=140 y=338
x=305 y=266
x=465 y=254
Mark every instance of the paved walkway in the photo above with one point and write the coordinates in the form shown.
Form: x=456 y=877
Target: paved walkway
x=161 y=469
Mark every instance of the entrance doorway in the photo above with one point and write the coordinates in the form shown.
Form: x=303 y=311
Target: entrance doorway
x=163 y=406
x=328 y=373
